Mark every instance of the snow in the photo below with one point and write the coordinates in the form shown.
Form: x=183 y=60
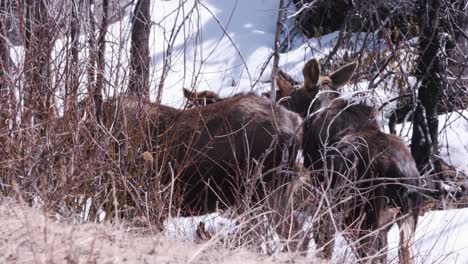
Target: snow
x=203 y=55
x=217 y=45
x=453 y=139
x=441 y=236
x=185 y=227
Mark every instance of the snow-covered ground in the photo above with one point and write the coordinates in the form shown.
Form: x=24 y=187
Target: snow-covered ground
x=441 y=236
x=453 y=138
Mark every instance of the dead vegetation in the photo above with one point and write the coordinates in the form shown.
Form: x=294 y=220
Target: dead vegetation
x=29 y=236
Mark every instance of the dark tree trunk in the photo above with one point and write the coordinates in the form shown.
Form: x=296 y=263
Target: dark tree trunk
x=37 y=62
x=457 y=27
x=72 y=84
x=101 y=61
x=274 y=71
x=4 y=64
x=38 y=92
x=139 y=79
x=5 y=175
x=92 y=50
x=429 y=71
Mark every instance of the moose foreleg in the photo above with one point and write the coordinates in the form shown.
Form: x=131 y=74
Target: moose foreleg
x=407 y=239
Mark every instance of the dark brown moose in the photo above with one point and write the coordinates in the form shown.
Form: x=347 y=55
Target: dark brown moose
x=351 y=157
x=208 y=155
x=369 y=177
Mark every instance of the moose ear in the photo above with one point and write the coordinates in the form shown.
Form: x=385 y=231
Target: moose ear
x=342 y=76
x=188 y=94
x=285 y=87
x=311 y=73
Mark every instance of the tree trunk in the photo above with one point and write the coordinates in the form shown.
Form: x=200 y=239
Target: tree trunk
x=37 y=63
x=72 y=84
x=274 y=70
x=4 y=64
x=429 y=71
x=101 y=60
x=38 y=93
x=92 y=50
x=139 y=78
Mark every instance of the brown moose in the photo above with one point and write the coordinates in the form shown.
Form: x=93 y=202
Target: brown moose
x=208 y=155
x=369 y=177
x=351 y=157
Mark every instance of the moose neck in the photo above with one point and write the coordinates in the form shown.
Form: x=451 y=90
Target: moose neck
x=349 y=116
x=299 y=101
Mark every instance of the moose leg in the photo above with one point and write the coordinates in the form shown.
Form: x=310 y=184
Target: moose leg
x=297 y=239
x=407 y=238
x=284 y=221
x=378 y=246
x=323 y=236
x=371 y=242
x=287 y=223
x=367 y=245
x=368 y=238
x=382 y=246
x=294 y=229
x=304 y=241
x=378 y=240
x=303 y=236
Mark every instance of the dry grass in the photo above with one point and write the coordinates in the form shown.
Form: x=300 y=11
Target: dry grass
x=28 y=236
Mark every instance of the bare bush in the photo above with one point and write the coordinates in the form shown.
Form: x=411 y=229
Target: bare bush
x=23 y=227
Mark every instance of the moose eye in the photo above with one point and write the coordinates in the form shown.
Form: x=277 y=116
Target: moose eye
x=326 y=83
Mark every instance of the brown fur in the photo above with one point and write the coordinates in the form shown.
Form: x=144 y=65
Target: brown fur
x=208 y=152
x=202 y=98
x=194 y=98
x=351 y=157
x=300 y=100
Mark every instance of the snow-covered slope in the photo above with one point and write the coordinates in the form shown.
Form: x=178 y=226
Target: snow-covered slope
x=218 y=45
x=453 y=139
x=441 y=237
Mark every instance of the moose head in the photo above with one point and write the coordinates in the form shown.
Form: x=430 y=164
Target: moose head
x=300 y=99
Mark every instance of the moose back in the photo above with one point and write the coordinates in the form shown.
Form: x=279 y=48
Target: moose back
x=212 y=155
